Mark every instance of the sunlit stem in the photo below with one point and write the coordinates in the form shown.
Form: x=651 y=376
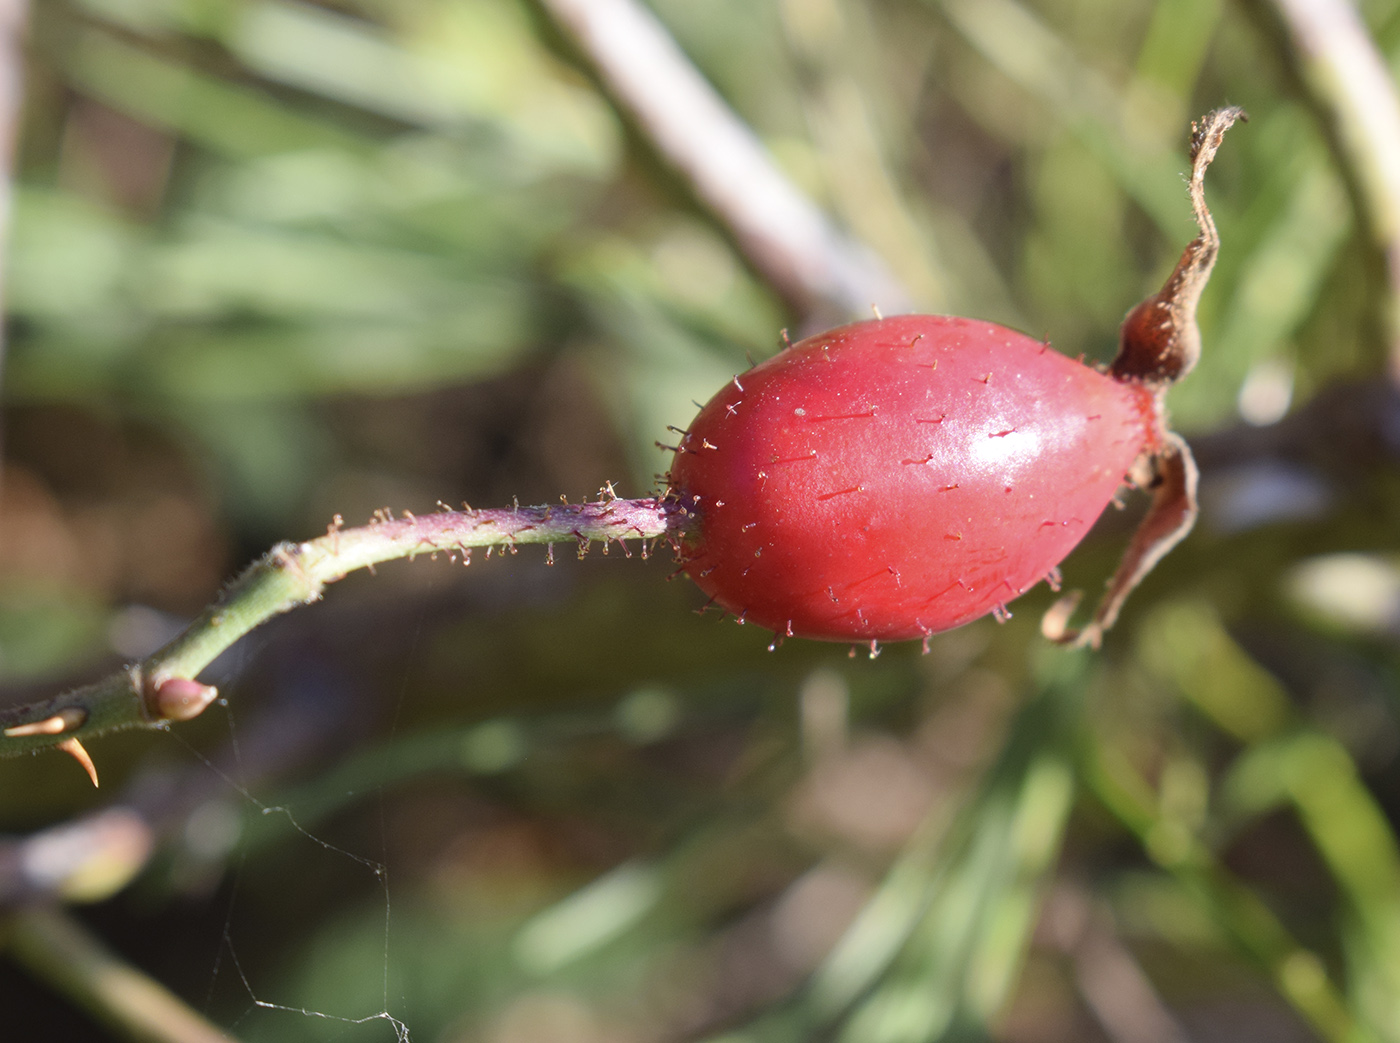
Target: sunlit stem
x=293 y=574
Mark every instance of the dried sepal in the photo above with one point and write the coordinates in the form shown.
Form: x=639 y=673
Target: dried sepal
x=1168 y=520
x=1159 y=342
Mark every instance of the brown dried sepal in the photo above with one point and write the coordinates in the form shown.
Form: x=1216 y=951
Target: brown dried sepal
x=1159 y=342
x=1168 y=520
x=1158 y=345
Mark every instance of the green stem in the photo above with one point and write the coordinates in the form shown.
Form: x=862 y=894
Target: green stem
x=58 y=951
x=293 y=574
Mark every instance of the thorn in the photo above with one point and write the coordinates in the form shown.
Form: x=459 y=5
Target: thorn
x=48 y=726
x=63 y=721
x=74 y=749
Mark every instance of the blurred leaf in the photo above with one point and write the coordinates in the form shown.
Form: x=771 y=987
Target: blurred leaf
x=1187 y=644
x=963 y=950
x=1317 y=777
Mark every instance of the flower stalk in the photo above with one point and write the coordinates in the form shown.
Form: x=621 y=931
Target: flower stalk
x=163 y=687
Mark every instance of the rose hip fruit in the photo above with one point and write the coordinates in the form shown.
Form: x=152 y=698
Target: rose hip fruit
x=898 y=477
x=894 y=478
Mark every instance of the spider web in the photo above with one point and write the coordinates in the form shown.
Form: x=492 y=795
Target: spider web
x=260 y=997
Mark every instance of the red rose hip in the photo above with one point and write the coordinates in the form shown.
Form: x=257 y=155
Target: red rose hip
x=894 y=478
x=899 y=477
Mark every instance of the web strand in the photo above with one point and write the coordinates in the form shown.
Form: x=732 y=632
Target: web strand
x=227 y=945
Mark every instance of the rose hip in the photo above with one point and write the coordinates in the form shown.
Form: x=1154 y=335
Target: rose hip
x=894 y=478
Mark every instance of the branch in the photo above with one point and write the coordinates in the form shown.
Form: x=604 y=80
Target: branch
x=57 y=949
x=13 y=16
x=162 y=687
x=1347 y=79
x=94 y=855
x=787 y=239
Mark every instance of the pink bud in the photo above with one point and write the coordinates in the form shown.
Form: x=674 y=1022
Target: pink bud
x=181 y=699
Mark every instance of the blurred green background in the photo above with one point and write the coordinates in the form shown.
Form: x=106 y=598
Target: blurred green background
x=276 y=261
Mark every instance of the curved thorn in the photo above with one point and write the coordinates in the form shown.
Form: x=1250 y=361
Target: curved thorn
x=74 y=749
